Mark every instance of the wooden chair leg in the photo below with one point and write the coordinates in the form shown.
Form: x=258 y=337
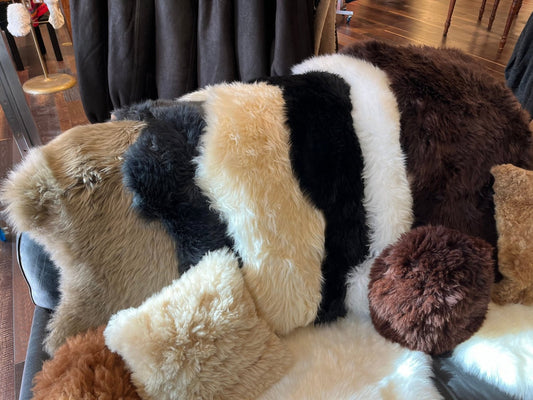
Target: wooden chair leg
x=39 y=37
x=449 y=18
x=14 y=51
x=481 y=10
x=55 y=43
x=513 y=12
x=493 y=14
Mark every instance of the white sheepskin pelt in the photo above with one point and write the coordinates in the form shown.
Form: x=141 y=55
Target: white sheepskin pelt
x=199 y=338
x=350 y=360
x=18 y=19
x=56 y=18
x=501 y=352
x=387 y=198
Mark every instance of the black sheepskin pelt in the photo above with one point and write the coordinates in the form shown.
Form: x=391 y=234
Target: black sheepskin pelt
x=327 y=161
x=149 y=109
x=158 y=169
x=456 y=123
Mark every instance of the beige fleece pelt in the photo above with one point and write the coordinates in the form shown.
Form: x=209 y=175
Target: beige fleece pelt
x=68 y=195
x=199 y=338
x=513 y=202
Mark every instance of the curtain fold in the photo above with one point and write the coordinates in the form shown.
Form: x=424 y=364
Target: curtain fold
x=129 y=51
x=176 y=25
x=89 y=27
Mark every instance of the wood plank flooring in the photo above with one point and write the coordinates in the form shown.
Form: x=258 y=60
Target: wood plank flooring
x=394 y=21
x=421 y=22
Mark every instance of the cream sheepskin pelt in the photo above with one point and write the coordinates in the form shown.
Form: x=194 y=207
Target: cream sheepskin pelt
x=68 y=195
x=350 y=360
x=245 y=169
x=501 y=352
x=199 y=337
x=19 y=20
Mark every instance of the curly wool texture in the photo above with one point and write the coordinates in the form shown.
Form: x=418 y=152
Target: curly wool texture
x=430 y=291
x=513 y=200
x=84 y=368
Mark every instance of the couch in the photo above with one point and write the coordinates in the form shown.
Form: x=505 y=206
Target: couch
x=42 y=278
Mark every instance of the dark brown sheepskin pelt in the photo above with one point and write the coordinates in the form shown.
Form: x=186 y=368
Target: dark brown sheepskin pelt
x=430 y=290
x=84 y=368
x=457 y=122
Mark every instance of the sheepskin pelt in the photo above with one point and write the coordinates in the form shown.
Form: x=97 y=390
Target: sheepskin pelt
x=349 y=360
x=456 y=123
x=513 y=198
x=68 y=195
x=159 y=171
x=277 y=145
x=501 y=352
x=84 y=368
x=328 y=164
x=271 y=165
x=430 y=290
x=200 y=338
x=149 y=109
x=244 y=168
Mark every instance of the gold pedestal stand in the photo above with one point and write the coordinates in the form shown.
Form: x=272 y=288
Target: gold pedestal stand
x=47 y=83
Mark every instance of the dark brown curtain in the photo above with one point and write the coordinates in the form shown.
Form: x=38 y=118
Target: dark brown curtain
x=128 y=51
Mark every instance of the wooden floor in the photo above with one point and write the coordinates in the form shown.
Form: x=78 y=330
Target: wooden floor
x=421 y=22
x=394 y=21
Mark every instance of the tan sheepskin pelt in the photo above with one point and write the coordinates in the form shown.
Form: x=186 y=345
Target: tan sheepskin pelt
x=199 y=338
x=68 y=195
x=84 y=368
x=244 y=168
x=513 y=200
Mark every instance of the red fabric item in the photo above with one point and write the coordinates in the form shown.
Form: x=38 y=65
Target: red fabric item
x=37 y=10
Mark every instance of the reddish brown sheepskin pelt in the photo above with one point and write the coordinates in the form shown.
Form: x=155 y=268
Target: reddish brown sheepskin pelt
x=430 y=290
x=84 y=368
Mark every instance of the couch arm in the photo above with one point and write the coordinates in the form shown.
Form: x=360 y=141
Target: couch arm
x=39 y=271
x=35 y=355
x=42 y=277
